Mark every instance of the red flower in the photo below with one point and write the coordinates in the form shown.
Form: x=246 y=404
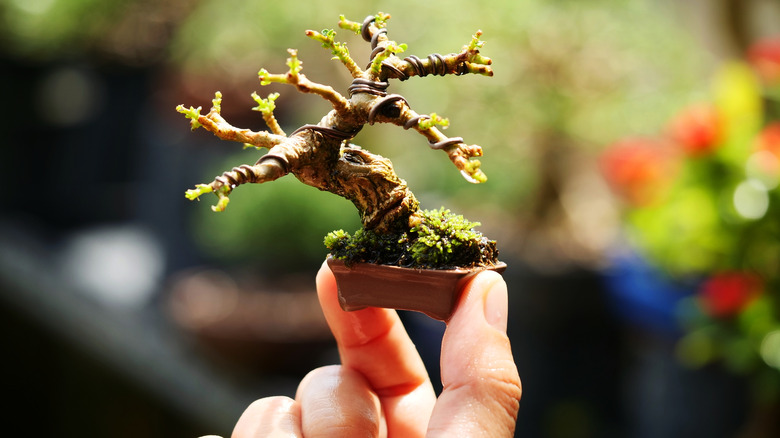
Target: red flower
x=696 y=129
x=638 y=169
x=769 y=139
x=764 y=56
x=727 y=293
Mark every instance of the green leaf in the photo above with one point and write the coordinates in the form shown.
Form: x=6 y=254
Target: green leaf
x=267 y=105
x=191 y=113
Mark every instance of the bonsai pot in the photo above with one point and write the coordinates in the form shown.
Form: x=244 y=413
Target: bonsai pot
x=434 y=292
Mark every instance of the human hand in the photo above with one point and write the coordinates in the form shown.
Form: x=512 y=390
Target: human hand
x=381 y=388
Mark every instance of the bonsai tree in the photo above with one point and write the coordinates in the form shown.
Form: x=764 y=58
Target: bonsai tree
x=395 y=230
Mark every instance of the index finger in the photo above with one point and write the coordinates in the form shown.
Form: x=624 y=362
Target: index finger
x=482 y=388
x=374 y=342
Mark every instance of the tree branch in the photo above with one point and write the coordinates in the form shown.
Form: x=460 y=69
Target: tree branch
x=304 y=85
x=468 y=61
x=339 y=50
x=266 y=107
x=217 y=125
x=457 y=150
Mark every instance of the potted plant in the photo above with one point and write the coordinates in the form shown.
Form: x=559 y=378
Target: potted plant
x=397 y=238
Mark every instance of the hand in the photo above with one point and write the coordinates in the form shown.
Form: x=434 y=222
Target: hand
x=381 y=388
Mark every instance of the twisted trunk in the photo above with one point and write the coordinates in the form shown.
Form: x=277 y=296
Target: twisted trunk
x=369 y=181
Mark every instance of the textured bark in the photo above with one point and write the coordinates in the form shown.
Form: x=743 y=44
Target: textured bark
x=383 y=200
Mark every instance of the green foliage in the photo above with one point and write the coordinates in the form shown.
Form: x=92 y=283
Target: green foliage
x=265 y=106
x=216 y=102
x=391 y=49
x=264 y=76
x=353 y=26
x=194 y=114
x=294 y=63
x=698 y=226
x=339 y=50
x=327 y=38
x=191 y=113
x=477 y=62
x=365 y=246
x=200 y=189
x=434 y=120
x=336 y=239
x=716 y=221
x=381 y=19
x=476 y=43
x=442 y=240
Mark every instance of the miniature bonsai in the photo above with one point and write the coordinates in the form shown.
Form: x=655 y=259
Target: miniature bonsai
x=395 y=231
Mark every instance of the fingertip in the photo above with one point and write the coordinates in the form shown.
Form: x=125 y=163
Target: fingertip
x=496 y=301
x=325 y=278
x=327 y=293
x=484 y=298
x=338 y=401
x=270 y=416
x=325 y=372
x=478 y=371
x=476 y=333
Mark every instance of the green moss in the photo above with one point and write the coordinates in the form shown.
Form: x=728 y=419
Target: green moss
x=442 y=240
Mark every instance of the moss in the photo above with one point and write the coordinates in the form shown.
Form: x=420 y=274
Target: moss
x=441 y=240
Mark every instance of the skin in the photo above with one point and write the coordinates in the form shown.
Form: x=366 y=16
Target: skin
x=381 y=388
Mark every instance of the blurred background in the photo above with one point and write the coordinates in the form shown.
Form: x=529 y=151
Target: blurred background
x=633 y=156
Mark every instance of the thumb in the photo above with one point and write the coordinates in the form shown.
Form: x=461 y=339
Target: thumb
x=481 y=387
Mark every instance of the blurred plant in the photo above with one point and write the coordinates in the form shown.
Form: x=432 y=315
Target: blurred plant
x=702 y=202
x=764 y=55
x=131 y=32
x=232 y=238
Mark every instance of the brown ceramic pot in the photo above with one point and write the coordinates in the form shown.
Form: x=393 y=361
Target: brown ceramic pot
x=434 y=292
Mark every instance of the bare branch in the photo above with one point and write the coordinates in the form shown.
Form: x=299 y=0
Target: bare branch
x=266 y=107
x=265 y=170
x=457 y=150
x=304 y=85
x=468 y=61
x=395 y=109
x=339 y=50
x=217 y=125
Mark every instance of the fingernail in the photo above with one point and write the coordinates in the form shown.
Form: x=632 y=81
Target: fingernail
x=497 y=305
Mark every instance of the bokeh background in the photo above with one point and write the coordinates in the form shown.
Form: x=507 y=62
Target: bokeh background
x=126 y=310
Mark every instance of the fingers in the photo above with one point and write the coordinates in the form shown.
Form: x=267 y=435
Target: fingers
x=330 y=401
x=374 y=343
x=481 y=387
x=382 y=388
x=337 y=401
x=272 y=417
